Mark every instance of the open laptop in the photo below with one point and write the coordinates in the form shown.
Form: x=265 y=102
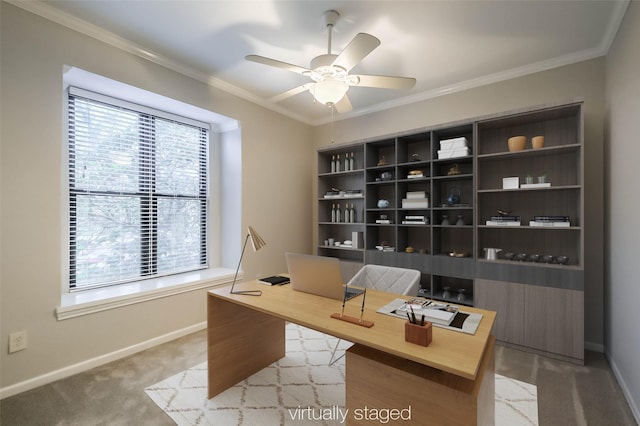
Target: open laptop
x=318 y=275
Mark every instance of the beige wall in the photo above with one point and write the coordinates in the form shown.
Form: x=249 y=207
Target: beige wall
x=275 y=194
x=622 y=282
x=33 y=54
x=585 y=79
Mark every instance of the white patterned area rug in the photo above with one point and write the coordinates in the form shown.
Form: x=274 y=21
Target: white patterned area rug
x=301 y=389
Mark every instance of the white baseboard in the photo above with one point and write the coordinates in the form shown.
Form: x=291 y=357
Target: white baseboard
x=70 y=370
x=625 y=390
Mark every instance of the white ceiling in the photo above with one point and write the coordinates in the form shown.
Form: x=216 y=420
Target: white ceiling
x=446 y=45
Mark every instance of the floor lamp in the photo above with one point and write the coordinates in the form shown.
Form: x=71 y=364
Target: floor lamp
x=257 y=243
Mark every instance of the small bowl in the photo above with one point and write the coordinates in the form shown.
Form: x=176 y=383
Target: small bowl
x=547 y=258
x=522 y=256
x=509 y=256
x=562 y=259
x=534 y=258
x=517 y=143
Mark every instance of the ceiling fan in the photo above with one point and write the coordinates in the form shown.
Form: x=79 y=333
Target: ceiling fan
x=330 y=73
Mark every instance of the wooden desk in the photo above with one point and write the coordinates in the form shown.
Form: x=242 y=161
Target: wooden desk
x=246 y=334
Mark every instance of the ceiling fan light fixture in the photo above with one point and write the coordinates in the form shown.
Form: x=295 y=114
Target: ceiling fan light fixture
x=329 y=73
x=329 y=91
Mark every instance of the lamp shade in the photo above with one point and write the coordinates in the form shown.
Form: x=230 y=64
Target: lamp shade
x=329 y=91
x=256 y=241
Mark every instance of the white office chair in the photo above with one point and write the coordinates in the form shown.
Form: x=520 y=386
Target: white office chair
x=384 y=278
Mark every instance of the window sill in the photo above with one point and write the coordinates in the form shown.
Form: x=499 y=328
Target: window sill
x=101 y=299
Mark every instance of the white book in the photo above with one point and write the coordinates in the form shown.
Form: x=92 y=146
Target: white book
x=417 y=203
x=453 y=153
x=550 y=224
x=357 y=239
x=453 y=143
x=536 y=185
x=416 y=194
x=434 y=312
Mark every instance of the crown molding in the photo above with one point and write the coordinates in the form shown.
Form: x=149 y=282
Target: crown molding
x=48 y=12
x=619 y=10
x=474 y=83
x=69 y=21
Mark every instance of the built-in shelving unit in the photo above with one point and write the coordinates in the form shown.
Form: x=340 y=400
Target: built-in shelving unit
x=446 y=238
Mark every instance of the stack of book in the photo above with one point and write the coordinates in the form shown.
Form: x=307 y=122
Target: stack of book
x=383 y=221
x=415 y=174
x=551 y=221
x=415 y=200
x=452 y=148
x=386 y=248
x=504 y=221
x=414 y=220
x=350 y=193
x=535 y=185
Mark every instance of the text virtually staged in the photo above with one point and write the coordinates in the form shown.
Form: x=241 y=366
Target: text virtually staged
x=341 y=414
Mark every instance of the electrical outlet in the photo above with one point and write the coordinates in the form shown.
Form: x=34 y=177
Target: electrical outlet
x=17 y=341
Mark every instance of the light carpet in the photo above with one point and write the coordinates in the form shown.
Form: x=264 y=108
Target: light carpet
x=301 y=389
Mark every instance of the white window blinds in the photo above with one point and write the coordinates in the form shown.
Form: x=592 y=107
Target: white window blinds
x=137 y=192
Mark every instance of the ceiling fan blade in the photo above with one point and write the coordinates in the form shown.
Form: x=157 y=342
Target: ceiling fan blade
x=291 y=92
x=361 y=45
x=276 y=63
x=385 y=82
x=344 y=105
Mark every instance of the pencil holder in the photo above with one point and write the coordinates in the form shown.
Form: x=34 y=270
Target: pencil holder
x=418 y=334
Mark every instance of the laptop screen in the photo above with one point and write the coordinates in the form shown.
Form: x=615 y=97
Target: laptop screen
x=315 y=274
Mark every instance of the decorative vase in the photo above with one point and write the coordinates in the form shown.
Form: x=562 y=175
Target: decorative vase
x=454 y=196
x=383 y=204
x=537 y=142
x=446 y=293
x=461 y=297
x=517 y=143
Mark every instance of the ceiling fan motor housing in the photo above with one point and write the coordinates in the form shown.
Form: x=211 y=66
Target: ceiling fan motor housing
x=323 y=65
x=331 y=17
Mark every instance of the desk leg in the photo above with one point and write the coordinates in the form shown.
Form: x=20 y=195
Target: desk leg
x=240 y=342
x=427 y=395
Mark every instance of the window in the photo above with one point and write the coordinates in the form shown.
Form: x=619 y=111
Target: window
x=138 y=192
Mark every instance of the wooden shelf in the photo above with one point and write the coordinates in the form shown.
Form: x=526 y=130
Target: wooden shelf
x=548 y=188
x=533 y=228
x=480 y=185
x=546 y=151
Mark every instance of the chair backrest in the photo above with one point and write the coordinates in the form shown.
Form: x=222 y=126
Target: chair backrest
x=388 y=278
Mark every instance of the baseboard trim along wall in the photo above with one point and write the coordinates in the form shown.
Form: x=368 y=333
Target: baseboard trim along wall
x=635 y=410
x=97 y=361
